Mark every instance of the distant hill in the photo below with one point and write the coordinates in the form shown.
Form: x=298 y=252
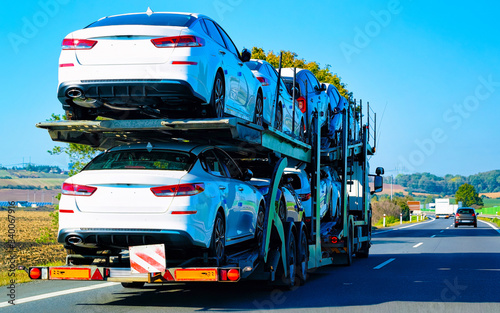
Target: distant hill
x=487 y=182
x=25 y=179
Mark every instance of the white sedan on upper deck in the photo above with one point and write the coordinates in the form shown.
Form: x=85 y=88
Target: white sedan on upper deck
x=156 y=65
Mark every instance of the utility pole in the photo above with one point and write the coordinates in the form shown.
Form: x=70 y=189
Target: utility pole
x=392 y=182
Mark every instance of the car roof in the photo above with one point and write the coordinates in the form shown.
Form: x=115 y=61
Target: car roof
x=260 y=61
x=288 y=71
x=196 y=15
x=181 y=146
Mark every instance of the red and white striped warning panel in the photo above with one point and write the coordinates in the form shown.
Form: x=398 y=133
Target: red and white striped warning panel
x=147 y=259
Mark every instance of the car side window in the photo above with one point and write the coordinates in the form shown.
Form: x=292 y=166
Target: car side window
x=273 y=72
x=204 y=26
x=211 y=164
x=229 y=43
x=214 y=33
x=232 y=168
x=312 y=80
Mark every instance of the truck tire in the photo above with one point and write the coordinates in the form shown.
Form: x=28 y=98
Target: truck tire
x=364 y=251
x=349 y=247
x=302 y=256
x=290 y=280
x=133 y=285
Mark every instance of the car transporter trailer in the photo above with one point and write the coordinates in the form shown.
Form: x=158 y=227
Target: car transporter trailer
x=287 y=250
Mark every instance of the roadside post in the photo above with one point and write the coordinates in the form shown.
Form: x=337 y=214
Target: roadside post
x=384 y=220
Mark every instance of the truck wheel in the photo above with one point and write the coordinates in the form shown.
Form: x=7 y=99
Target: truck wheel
x=349 y=247
x=302 y=257
x=291 y=259
x=218 y=242
x=133 y=285
x=217 y=101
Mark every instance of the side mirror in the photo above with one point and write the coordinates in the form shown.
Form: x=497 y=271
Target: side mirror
x=378 y=184
x=323 y=87
x=247 y=175
x=246 y=55
x=379 y=171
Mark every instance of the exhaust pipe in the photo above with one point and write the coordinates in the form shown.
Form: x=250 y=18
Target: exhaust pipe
x=74 y=240
x=74 y=93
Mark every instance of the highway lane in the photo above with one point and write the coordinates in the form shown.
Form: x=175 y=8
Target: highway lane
x=429 y=267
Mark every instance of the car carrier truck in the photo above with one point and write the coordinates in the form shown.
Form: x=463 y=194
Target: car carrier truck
x=287 y=251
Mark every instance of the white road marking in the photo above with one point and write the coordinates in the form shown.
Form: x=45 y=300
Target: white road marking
x=418 y=245
x=386 y=231
x=448 y=227
x=491 y=225
x=58 y=293
x=383 y=264
x=433 y=236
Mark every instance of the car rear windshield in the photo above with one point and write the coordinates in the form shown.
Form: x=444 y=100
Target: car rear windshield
x=254 y=66
x=466 y=211
x=169 y=160
x=155 y=19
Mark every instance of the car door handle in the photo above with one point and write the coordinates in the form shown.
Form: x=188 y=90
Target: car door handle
x=222 y=187
x=240 y=63
x=240 y=188
x=222 y=52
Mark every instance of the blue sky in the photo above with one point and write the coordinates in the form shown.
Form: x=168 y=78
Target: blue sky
x=430 y=70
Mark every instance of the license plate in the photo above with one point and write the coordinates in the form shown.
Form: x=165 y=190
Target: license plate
x=196 y=274
x=70 y=273
x=466 y=221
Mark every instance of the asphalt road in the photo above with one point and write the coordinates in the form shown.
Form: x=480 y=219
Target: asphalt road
x=427 y=267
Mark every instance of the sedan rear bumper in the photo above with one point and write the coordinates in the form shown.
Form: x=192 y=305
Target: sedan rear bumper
x=124 y=238
x=128 y=93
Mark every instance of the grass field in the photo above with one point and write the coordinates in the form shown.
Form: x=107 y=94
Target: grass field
x=28 y=229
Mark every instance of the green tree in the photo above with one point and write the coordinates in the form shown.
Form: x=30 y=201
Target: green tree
x=290 y=59
x=79 y=155
x=468 y=195
x=401 y=202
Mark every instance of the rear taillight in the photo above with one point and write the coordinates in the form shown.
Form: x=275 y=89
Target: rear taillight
x=458 y=215
x=305 y=196
x=302 y=104
x=264 y=81
x=229 y=274
x=78 y=44
x=473 y=214
x=77 y=190
x=178 y=41
x=35 y=273
x=178 y=190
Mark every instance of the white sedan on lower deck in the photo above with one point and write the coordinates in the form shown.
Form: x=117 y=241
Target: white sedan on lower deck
x=189 y=197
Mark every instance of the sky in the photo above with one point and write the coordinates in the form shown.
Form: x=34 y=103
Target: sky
x=429 y=69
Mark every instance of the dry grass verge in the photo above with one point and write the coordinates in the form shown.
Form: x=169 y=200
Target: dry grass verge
x=29 y=228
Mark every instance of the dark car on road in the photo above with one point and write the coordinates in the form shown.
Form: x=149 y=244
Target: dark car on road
x=466 y=216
